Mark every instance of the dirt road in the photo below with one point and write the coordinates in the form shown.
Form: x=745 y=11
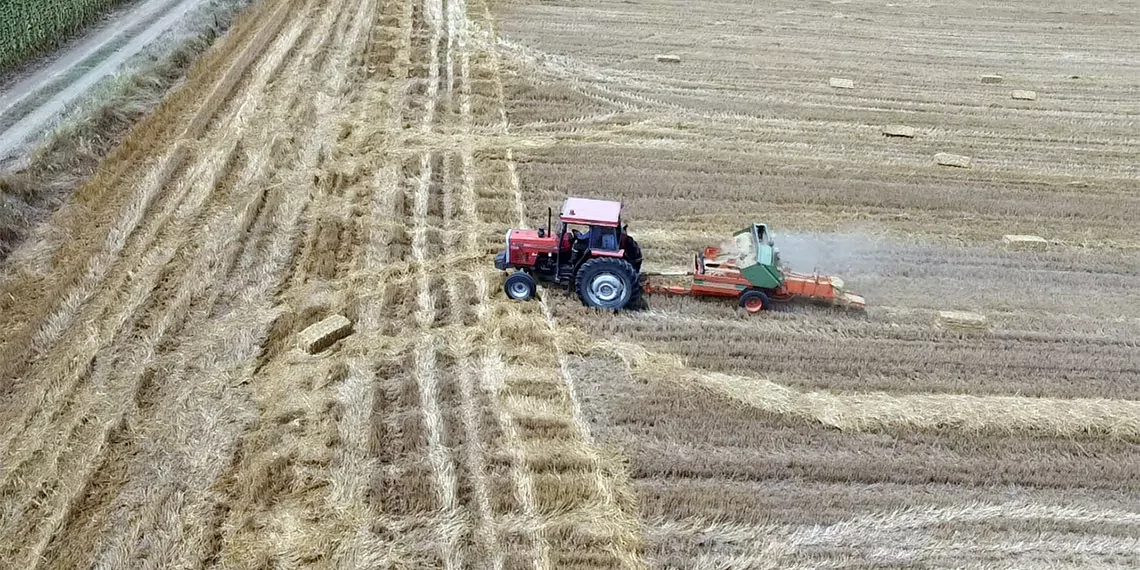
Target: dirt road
x=35 y=102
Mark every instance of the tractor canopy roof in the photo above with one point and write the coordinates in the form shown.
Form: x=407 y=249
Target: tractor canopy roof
x=591 y=212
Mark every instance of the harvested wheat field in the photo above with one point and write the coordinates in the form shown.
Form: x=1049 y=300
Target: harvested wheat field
x=268 y=332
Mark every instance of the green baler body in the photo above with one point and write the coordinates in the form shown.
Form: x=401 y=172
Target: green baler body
x=758 y=261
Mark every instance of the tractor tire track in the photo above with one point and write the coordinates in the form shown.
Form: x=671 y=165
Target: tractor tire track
x=440 y=456
x=387 y=472
x=535 y=551
x=460 y=227
x=473 y=394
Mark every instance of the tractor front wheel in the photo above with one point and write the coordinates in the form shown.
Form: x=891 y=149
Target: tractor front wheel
x=608 y=283
x=754 y=301
x=520 y=286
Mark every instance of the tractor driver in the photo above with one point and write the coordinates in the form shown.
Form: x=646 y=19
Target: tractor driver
x=583 y=237
x=579 y=243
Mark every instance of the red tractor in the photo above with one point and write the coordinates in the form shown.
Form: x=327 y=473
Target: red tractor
x=589 y=252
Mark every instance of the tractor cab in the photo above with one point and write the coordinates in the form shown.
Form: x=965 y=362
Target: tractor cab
x=590 y=227
x=589 y=242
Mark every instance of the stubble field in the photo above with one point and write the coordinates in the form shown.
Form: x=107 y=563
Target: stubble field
x=813 y=437
x=364 y=158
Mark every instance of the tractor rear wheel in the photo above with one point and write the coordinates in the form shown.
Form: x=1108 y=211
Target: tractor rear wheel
x=633 y=253
x=608 y=283
x=754 y=301
x=520 y=286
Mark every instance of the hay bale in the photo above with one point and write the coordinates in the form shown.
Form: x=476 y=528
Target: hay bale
x=1024 y=95
x=962 y=320
x=899 y=131
x=322 y=335
x=955 y=160
x=992 y=78
x=840 y=83
x=1025 y=242
x=668 y=58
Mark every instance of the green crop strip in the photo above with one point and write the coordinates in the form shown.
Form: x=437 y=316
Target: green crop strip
x=28 y=27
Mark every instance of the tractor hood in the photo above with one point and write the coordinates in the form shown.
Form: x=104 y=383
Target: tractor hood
x=530 y=241
x=524 y=247
x=523 y=235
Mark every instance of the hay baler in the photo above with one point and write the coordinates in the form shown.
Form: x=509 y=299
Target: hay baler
x=749 y=268
x=602 y=262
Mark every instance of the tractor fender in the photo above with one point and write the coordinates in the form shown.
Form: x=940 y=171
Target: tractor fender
x=607 y=253
x=501 y=262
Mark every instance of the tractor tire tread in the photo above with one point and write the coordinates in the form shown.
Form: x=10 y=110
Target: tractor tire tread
x=633 y=253
x=520 y=276
x=620 y=266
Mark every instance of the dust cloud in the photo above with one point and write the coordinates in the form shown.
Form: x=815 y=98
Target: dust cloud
x=834 y=253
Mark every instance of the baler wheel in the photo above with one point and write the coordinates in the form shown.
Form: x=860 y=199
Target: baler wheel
x=520 y=286
x=754 y=301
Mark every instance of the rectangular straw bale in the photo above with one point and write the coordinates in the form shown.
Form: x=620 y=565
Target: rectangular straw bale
x=668 y=58
x=956 y=160
x=899 y=131
x=992 y=78
x=1024 y=95
x=840 y=83
x=322 y=335
x=962 y=319
x=1025 y=242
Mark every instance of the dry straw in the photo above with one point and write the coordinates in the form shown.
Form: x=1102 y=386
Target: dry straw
x=962 y=320
x=321 y=335
x=236 y=71
x=899 y=131
x=1025 y=242
x=840 y=83
x=955 y=160
x=1054 y=417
